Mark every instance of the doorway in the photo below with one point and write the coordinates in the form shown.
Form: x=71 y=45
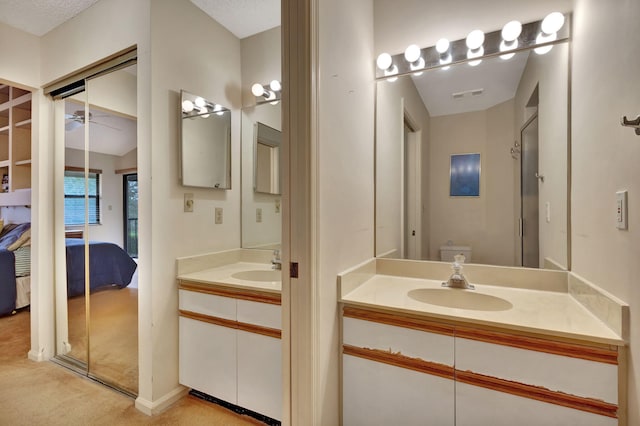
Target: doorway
x=412 y=189
x=529 y=180
x=130 y=209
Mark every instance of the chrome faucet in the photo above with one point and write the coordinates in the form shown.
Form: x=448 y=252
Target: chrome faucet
x=457 y=279
x=276 y=262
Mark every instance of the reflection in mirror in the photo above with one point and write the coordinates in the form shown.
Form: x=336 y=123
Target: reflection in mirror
x=261 y=139
x=267 y=159
x=205 y=137
x=421 y=121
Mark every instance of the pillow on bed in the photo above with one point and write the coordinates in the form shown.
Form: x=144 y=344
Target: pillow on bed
x=23 y=261
x=9 y=239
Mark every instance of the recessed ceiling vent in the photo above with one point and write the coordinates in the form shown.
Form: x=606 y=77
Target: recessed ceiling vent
x=467 y=94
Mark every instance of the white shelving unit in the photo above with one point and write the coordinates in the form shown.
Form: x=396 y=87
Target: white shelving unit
x=15 y=145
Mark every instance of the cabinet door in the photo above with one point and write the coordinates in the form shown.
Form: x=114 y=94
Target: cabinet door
x=479 y=406
x=260 y=373
x=380 y=394
x=208 y=358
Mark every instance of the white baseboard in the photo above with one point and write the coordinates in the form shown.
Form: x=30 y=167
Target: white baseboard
x=151 y=408
x=37 y=356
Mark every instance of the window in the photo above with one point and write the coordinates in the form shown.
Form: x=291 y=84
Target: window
x=74 y=198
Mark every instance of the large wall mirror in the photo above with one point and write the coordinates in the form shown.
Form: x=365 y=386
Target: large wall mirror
x=205 y=141
x=261 y=179
x=514 y=114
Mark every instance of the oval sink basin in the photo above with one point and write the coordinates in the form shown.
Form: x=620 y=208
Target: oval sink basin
x=266 y=276
x=460 y=299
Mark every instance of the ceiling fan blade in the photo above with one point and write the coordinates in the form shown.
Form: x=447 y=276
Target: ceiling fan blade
x=72 y=125
x=105 y=125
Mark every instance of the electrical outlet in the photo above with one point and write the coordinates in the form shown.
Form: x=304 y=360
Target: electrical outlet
x=278 y=205
x=218 y=215
x=259 y=215
x=621 y=210
x=188 y=202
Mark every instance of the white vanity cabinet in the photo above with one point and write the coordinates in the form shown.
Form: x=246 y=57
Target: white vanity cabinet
x=399 y=369
x=396 y=372
x=230 y=345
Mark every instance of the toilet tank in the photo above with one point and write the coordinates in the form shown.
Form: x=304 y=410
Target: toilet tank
x=447 y=252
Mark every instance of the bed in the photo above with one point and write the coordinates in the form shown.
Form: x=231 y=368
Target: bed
x=109 y=266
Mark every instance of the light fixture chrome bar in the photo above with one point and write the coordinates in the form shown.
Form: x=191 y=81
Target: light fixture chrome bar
x=458 y=50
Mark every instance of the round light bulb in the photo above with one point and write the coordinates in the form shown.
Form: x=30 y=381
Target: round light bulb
x=417 y=65
x=200 y=103
x=504 y=47
x=552 y=23
x=187 y=105
x=269 y=96
x=204 y=112
x=412 y=53
x=275 y=85
x=544 y=38
x=257 y=89
x=391 y=72
x=442 y=45
x=471 y=53
x=384 y=61
x=511 y=30
x=475 y=39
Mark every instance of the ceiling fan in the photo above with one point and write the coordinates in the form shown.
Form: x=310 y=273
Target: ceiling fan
x=77 y=119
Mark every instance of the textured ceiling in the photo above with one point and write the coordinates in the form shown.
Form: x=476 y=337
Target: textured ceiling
x=243 y=18
x=38 y=17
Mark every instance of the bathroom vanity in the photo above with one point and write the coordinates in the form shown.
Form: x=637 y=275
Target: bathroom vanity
x=414 y=352
x=230 y=329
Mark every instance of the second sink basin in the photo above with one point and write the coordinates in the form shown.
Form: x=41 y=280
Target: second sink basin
x=460 y=299
x=259 y=275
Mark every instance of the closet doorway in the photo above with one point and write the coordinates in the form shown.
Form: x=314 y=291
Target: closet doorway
x=96 y=280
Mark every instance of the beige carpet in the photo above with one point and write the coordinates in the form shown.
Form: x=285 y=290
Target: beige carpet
x=44 y=393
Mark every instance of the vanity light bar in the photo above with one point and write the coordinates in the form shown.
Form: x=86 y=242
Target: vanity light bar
x=477 y=46
x=267 y=93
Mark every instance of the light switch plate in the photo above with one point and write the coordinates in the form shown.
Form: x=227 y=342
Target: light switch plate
x=218 y=215
x=621 y=210
x=188 y=202
x=258 y=215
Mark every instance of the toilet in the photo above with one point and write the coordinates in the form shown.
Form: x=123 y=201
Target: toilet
x=447 y=252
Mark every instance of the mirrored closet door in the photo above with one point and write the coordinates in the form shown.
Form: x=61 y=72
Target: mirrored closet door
x=97 y=295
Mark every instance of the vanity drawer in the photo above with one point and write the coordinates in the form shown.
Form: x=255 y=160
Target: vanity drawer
x=574 y=375
x=207 y=304
x=413 y=343
x=263 y=314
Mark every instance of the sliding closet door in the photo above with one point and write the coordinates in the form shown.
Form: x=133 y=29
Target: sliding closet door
x=113 y=300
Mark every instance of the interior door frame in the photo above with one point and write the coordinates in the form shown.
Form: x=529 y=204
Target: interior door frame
x=530 y=120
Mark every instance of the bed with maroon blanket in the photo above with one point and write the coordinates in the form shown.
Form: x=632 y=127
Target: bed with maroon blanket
x=109 y=265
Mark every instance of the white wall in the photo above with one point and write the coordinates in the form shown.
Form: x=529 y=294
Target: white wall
x=605 y=159
x=20 y=63
x=344 y=161
x=550 y=73
x=192 y=52
x=486 y=223
x=394 y=101
x=111 y=227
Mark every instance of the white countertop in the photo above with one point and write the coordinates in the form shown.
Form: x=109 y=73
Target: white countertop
x=551 y=313
x=223 y=275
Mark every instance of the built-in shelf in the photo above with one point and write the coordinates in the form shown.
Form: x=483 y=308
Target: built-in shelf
x=23 y=163
x=21 y=197
x=25 y=124
x=4 y=130
x=4 y=163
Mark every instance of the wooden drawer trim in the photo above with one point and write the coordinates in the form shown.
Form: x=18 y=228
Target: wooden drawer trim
x=399 y=360
x=251 y=328
x=398 y=321
x=538 y=393
x=253 y=296
x=607 y=356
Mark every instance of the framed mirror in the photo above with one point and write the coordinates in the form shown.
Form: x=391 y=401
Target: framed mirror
x=423 y=120
x=261 y=153
x=266 y=159
x=205 y=143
